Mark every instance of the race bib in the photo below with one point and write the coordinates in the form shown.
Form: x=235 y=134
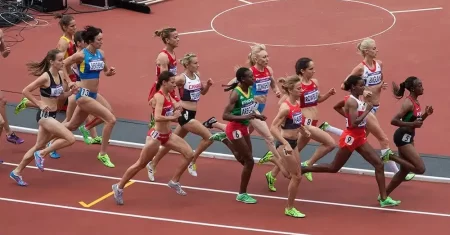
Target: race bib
x=297 y=118
x=311 y=97
x=195 y=95
x=308 y=122
x=97 y=65
x=237 y=134
x=44 y=114
x=247 y=109
x=154 y=134
x=406 y=138
x=57 y=91
x=349 y=140
x=262 y=85
x=84 y=92
x=373 y=79
x=173 y=70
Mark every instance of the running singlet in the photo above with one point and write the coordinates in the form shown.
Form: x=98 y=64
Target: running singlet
x=309 y=96
x=262 y=81
x=54 y=90
x=167 y=109
x=361 y=109
x=294 y=118
x=372 y=77
x=244 y=105
x=411 y=116
x=71 y=49
x=92 y=65
x=191 y=89
x=172 y=65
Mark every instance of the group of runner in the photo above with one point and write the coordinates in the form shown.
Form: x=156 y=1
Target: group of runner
x=68 y=79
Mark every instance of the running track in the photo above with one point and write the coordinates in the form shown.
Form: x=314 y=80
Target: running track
x=346 y=204
x=334 y=204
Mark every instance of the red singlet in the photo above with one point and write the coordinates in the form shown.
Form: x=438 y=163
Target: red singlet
x=172 y=68
x=167 y=110
x=309 y=98
x=354 y=137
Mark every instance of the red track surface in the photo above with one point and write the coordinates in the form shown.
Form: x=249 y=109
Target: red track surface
x=203 y=204
x=403 y=52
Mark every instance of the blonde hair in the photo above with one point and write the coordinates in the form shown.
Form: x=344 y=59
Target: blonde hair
x=187 y=58
x=255 y=49
x=164 y=33
x=365 y=44
x=288 y=83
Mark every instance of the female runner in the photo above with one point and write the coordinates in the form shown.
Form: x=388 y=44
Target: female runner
x=354 y=138
x=51 y=88
x=191 y=88
x=309 y=99
x=258 y=60
x=239 y=111
x=10 y=135
x=66 y=45
x=286 y=128
x=371 y=71
x=159 y=135
x=91 y=61
x=407 y=120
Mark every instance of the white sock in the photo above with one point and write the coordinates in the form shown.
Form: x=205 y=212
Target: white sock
x=334 y=130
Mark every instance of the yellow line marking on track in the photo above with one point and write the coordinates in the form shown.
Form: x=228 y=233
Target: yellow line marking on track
x=102 y=197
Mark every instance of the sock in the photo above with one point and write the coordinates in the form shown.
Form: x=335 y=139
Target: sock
x=334 y=130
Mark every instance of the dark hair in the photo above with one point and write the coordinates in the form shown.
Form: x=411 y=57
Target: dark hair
x=164 y=34
x=408 y=84
x=302 y=64
x=89 y=33
x=38 y=68
x=163 y=76
x=64 y=20
x=351 y=81
x=240 y=75
x=77 y=38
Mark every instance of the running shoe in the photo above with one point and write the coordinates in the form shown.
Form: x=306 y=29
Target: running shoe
x=39 y=160
x=309 y=174
x=177 y=187
x=85 y=133
x=294 y=213
x=266 y=158
x=219 y=136
x=21 y=106
x=105 y=160
x=245 y=198
x=270 y=181
x=150 y=171
x=410 y=176
x=13 y=138
x=53 y=154
x=208 y=123
x=96 y=140
x=192 y=169
x=388 y=202
x=118 y=194
x=17 y=178
x=324 y=126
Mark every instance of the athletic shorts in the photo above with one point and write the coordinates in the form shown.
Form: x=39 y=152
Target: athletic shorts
x=403 y=137
x=352 y=139
x=186 y=116
x=40 y=115
x=163 y=138
x=260 y=107
x=236 y=130
x=309 y=122
x=292 y=143
x=153 y=92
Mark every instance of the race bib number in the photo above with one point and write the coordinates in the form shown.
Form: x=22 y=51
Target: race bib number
x=154 y=134
x=44 y=114
x=57 y=91
x=173 y=70
x=169 y=112
x=195 y=95
x=297 y=118
x=262 y=85
x=96 y=65
x=84 y=92
x=373 y=79
x=308 y=122
x=349 y=140
x=311 y=97
x=237 y=134
x=247 y=109
x=406 y=138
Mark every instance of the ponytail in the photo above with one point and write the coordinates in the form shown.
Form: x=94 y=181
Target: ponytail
x=231 y=86
x=38 y=68
x=408 y=84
